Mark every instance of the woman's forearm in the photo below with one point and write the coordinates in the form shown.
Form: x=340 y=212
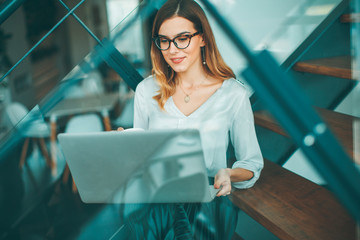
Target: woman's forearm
x=240 y=174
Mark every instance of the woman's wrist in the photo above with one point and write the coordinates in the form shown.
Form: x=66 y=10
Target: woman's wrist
x=229 y=172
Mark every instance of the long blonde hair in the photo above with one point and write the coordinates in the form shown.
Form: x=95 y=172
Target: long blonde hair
x=215 y=65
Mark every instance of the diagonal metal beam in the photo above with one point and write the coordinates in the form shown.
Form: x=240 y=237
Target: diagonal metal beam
x=8 y=8
x=81 y=22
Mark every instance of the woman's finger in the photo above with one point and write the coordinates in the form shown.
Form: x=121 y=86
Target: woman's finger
x=225 y=190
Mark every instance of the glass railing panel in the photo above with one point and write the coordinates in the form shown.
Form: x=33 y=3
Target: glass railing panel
x=29 y=25
x=92 y=87
x=31 y=166
x=43 y=52
x=36 y=72
x=29 y=82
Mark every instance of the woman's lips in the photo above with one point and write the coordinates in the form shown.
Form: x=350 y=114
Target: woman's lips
x=177 y=60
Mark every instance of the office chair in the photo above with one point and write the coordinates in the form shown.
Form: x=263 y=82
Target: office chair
x=81 y=123
x=91 y=122
x=35 y=130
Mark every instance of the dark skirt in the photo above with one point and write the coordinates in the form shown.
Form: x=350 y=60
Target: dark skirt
x=213 y=220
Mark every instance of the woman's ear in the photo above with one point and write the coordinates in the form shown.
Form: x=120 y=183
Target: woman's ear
x=202 y=41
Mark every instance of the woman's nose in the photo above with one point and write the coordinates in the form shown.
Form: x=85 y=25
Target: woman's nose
x=173 y=48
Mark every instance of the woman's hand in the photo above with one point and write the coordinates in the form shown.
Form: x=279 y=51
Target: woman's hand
x=222 y=180
x=120 y=129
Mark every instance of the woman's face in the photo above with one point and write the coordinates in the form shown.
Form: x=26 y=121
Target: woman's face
x=181 y=60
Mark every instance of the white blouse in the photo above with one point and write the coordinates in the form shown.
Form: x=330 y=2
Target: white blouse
x=227 y=114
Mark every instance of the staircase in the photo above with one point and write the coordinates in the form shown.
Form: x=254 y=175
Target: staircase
x=339 y=67
x=292 y=207
x=288 y=205
x=339 y=123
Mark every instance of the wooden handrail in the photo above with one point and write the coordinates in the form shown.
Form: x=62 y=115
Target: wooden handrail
x=335 y=66
x=292 y=207
x=341 y=125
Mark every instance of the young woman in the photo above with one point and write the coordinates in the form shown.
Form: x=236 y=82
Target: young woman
x=192 y=87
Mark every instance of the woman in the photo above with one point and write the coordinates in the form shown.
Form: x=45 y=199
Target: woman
x=192 y=87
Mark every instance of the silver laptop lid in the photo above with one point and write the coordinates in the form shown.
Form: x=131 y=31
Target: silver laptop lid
x=153 y=166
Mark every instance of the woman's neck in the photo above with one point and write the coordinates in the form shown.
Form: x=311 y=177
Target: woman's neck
x=192 y=78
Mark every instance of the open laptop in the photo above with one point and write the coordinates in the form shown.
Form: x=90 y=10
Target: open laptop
x=154 y=166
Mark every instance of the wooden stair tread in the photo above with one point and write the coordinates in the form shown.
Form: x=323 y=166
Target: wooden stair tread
x=335 y=66
x=340 y=124
x=352 y=17
x=292 y=207
x=236 y=237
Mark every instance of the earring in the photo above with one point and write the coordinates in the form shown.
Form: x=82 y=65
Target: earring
x=203 y=55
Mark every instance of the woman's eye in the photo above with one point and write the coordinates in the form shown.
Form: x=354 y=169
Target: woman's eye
x=182 y=39
x=163 y=40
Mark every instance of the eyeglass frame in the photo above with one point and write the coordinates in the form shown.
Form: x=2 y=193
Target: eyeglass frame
x=190 y=36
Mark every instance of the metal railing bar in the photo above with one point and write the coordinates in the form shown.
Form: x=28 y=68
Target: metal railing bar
x=8 y=8
x=81 y=22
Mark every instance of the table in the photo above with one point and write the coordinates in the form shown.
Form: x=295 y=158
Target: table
x=102 y=103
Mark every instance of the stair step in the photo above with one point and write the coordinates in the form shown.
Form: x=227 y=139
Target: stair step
x=292 y=207
x=340 y=124
x=335 y=66
x=236 y=237
x=348 y=18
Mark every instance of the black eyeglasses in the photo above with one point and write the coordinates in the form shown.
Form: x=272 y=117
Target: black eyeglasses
x=181 y=41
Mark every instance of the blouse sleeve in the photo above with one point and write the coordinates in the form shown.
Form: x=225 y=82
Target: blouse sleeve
x=244 y=140
x=141 y=117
